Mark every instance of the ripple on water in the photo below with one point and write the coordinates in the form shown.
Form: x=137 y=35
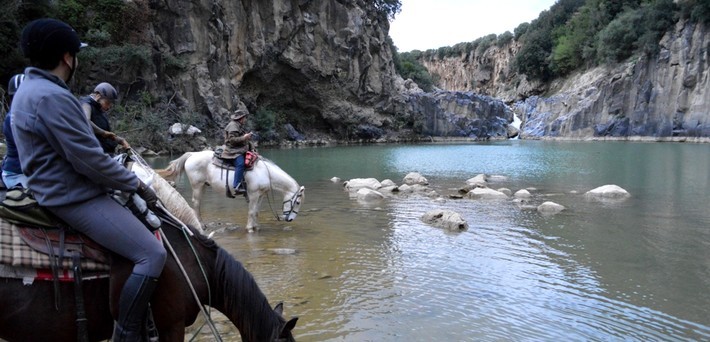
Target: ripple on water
x=378 y=273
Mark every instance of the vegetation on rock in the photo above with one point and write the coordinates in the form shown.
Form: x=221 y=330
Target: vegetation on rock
x=578 y=34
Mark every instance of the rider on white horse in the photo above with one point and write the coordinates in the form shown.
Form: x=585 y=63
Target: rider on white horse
x=237 y=141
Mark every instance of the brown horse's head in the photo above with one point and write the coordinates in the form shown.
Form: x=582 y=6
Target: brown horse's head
x=285 y=331
x=239 y=298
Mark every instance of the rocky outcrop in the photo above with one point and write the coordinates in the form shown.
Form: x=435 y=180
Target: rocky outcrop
x=487 y=72
x=459 y=114
x=324 y=68
x=665 y=96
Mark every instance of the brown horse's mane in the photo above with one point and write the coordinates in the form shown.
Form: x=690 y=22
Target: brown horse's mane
x=234 y=281
x=202 y=239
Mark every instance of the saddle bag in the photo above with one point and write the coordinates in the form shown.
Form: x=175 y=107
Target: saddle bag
x=250 y=158
x=20 y=207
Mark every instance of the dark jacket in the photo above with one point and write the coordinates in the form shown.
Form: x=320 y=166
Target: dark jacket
x=234 y=142
x=101 y=121
x=61 y=157
x=12 y=160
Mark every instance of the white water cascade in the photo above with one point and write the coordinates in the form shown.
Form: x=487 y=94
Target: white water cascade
x=516 y=123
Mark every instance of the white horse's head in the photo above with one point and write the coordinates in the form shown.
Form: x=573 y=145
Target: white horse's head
x=293 y=204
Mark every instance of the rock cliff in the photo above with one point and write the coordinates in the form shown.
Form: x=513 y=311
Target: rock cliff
x=320 y=64
x=487 y=72
x=325 y=67
x=667 y=95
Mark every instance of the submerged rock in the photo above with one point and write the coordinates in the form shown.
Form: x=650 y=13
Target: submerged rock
x=608 y=191
x=359 y=183
x=550 y=208
x=445 y=219
x=413 y=178
x=486 y=193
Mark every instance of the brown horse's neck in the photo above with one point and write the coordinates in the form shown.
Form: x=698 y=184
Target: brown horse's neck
x=242 y=301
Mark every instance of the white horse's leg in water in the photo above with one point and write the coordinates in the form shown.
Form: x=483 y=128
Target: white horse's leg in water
x=196 y=197
x=254 y=205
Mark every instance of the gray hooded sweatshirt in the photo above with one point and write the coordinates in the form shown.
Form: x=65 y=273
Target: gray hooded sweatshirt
x=58 y=150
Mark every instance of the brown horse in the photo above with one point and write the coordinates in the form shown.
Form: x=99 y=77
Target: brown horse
x=27 y=312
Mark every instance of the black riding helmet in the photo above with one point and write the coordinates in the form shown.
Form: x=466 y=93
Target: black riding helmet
x=44 y=42
x=106 y=90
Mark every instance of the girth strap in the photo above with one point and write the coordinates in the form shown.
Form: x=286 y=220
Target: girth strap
x=54 y=264
x=81 y=321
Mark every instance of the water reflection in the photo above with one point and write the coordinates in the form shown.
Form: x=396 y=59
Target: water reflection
x=631 y=270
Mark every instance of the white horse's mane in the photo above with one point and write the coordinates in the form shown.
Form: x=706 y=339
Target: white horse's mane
x=171 y=198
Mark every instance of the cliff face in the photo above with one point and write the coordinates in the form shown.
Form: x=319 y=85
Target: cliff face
x=325 y=67
x=663 y=96
x=319 y=64
x=488 y=72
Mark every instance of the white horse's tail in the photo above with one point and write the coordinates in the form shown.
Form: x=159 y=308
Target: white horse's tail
x=175 y=168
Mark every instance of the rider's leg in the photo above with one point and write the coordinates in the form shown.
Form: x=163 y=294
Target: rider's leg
x=239 y=174
x=115 y=228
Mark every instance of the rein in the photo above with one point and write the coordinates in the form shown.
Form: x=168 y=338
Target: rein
x=292 y=200
x=271 y=191
x=208 y=318
x=170 y=218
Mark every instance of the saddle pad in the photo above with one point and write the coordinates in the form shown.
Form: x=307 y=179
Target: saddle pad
x=14 y=252
x=225 y=164
x=228 y=164
x=30 y=275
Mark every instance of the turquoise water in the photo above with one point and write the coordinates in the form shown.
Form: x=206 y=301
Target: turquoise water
x=637 y=269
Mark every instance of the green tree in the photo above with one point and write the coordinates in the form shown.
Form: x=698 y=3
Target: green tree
x=636 y=30
x=409 y=67
x=521 y=30
x=389 y=8
x=532 y=60
x=504 y=38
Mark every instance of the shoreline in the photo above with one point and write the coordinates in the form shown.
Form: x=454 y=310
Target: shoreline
x=328 y=142
x=324 y=142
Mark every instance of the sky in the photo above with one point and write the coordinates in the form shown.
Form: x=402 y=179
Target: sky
x=430 y=24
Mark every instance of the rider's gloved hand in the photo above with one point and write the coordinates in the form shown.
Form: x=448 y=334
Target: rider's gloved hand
x=148 y=195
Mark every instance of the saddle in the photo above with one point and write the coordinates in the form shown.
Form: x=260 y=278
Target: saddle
x=250 y=159
x=62 y=242
x=48 y=241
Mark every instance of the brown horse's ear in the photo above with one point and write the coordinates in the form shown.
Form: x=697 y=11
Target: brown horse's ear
x=286 y=331
x=279 y=308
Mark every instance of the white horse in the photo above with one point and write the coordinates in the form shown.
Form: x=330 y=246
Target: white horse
x=262 y=178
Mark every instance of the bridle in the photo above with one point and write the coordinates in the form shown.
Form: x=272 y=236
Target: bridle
x=293 y=201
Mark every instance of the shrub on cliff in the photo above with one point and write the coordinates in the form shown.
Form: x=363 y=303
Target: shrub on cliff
x=408 y=67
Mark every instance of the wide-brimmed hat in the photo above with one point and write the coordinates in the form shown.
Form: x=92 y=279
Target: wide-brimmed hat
x=240 y=113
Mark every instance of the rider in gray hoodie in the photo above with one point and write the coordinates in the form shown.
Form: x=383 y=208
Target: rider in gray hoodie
x=69 y=173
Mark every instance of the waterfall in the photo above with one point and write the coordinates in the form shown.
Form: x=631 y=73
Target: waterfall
x=516 y=123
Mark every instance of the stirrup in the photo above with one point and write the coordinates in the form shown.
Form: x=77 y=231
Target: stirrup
x=229 y=192
x=241 y=189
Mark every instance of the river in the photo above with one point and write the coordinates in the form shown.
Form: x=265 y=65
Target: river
x=637 y=269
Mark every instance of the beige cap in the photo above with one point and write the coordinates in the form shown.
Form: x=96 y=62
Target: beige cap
x=240 y=113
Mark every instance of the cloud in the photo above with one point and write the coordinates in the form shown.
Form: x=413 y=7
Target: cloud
x=426 y=24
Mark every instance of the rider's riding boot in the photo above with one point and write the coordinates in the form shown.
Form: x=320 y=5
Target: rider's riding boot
x=241 y=189
x=132 y=307
x=229 y=192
